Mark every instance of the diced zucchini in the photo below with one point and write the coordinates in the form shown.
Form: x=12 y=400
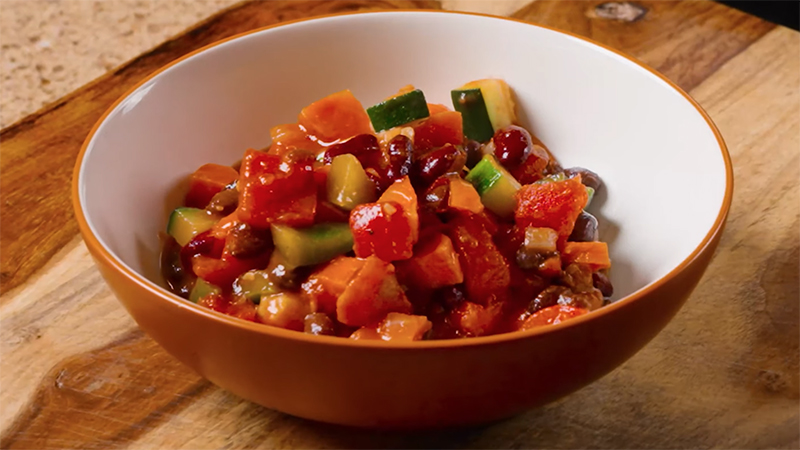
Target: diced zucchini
x=201 y=289
x=495 y=185
x=553 y=178
x=312 y=245
x=253 y=284
x=470 y=103
x=499 y=101
x=186 y=223
x=348 y=183
x=590 y=193
x=398 y=110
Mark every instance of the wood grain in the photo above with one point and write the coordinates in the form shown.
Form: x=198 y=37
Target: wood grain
x=723 y=374
x=40 y=150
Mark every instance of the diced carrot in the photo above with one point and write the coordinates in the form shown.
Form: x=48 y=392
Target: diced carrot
x=371 y=294
x=551 y=316
x=553 y=205
x=206 y=182
x=336 y=117
x=396 y=327
x=593 y=254
x=437 y=130
x=463 y=196
x=436 y=108
x=326 y=285
x=289 y=137
x=434 y=264
x=402 y=192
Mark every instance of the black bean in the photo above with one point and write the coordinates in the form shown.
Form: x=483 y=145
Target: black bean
x=588 y=178
x=473 y=150
x=603 y=283
x=244 y=241
x=585 y=229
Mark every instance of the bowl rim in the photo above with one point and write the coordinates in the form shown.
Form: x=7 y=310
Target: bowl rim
x=104 y=256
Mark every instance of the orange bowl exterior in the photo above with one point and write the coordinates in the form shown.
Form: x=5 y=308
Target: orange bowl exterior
x=413 y=385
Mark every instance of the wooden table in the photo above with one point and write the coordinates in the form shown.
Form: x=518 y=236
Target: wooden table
x=77 y=373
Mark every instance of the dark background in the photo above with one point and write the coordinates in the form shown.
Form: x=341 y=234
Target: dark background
x=786 y=13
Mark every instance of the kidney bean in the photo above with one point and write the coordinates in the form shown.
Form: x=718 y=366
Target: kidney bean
x=365 y=147
x=179 y=281
x=546 y=298
x=437 y=162
x=400 y=150
x=204 y=243
x=590 y=300
x=588 y=178
x=435 y=197
x=224 y=202
x=474 y=154
x=585 y=229
x=244 y=241
x=511 y=145
x=601 y=281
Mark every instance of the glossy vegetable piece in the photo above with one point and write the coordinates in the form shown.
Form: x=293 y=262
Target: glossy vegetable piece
x=435 y=264
x=533 y=167
x=312 y=245
x=206 y=182
x=436 y=108
x=290 y=137
x=277 y=189
x=585 y=229
x=336 y=117
x=472 y=319
x=463 y=196
x=427 y=168
x=371 y=294
x=398 y=110
x=224 y=270
x=438 y=130
x=402 y=193
x=186 y=223
x=499 y=101
x=495 y=185
x=325 y=286
x=381 y=229
x=319 y=324
x=486 y=271
x=254 y=284
x=593 y=254
x=284 y=310
x=540 y=240
x=551 y=316
x=555 y=205
x=395 y=327
x=201 y=289
x=348 y=183
x=470 y=103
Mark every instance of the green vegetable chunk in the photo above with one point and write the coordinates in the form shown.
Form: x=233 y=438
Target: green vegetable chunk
x=253 y=284
x=201 y=289
x=348 y=183
x=312 y=245
x=495 y=185
x=398 y=110
x=186 y=223
x=469 y=102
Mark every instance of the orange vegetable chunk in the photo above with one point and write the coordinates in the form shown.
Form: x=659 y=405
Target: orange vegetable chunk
x=551 y=316
x=402 y=192
x=463 y=196
x=434 y=264
x=437 y=130
x=289 y=137
x=206 y=182
x=371 y=294
x=336 y=117
x=396 y=327
x=593 y=254
x=553 y=205
x=325 y=286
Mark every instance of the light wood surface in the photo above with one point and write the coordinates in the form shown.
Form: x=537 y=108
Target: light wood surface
x=75 y=372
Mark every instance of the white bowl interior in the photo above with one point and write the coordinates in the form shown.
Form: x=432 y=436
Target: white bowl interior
x=661 y=163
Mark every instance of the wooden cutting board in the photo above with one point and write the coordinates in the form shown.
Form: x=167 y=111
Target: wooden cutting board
x=77 y=373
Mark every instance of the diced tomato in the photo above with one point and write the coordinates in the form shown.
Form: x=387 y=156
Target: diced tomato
x=381 y=229
x=223 y=271
x=434 y=264
x=277 y=189
x=336 y=117
x=371 y=294
x=326 y=285
x=551 y=316
x=402 y=192
x=486 y=271
x=438 y=130
x=553 y=205
x=436 y=108
x=593 y=254
x=471 y=319
x=463 y=196
x=291 y=136
x=396 y=327
x=206 y=182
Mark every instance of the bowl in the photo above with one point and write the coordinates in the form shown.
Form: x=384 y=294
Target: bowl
x=668 y=190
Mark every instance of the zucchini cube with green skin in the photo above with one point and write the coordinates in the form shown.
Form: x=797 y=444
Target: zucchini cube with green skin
x=499 y=102
x=254 y=284
x=201 y=289
x=398 y=110
x=186 y=223
x=312 y=245
x=470 y=103
x=348 y=183
x=495 y=185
